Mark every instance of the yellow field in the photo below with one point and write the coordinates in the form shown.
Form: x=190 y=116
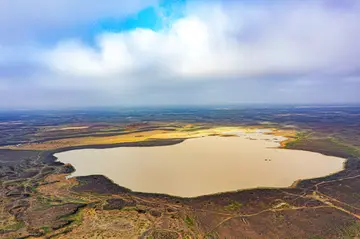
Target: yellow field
x=182 y=133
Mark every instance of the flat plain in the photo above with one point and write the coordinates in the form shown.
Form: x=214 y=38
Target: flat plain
x=39 y=201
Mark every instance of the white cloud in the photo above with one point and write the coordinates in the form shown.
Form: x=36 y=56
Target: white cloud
x=59 y=12
x=241 y=51
x=352 y=79
x=3 y=85
x=33 y=19
x=302 y=38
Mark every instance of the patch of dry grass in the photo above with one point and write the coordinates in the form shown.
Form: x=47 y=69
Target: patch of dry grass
x=142 y=136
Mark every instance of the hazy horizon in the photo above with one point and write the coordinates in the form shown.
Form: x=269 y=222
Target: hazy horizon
x=139 y=108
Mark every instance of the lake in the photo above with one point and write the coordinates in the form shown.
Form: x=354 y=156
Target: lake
x=202 y=166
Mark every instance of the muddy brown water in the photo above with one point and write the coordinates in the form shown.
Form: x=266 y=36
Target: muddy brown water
x=203 y=166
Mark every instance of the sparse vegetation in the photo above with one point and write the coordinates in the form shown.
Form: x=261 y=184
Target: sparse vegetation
x=316 y=237
x=234 y=206
x=14 y=227
x=46 y=229
x=189 y=221
x=352 y=231
x=34 y=191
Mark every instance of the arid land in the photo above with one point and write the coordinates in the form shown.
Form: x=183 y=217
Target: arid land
x=37 y=201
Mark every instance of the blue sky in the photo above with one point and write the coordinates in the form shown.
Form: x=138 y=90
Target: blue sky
x=151 y=17
x=65 y=53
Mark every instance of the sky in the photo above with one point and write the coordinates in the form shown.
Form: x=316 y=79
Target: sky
x=84 y=53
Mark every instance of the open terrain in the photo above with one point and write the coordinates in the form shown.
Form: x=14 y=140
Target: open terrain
x=37 y=201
